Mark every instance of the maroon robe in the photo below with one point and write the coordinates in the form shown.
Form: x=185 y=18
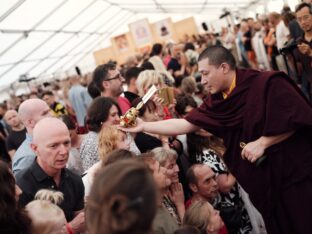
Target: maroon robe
x=267 y=104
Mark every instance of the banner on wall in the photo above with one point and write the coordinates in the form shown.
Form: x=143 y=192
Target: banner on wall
x=122 y=43
x=141 y=32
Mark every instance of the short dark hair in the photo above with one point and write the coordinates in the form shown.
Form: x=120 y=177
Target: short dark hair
x=190 y=174
x=3 y=106
x=217 y=55
x=149 y=105
x=93 y=90
x=189 y=46
x=147 y=66
x=287 y=17
x=116 y=156
x=156 y=49
x=184 y=100
x=132 y=72
x=68 y=121
x=101 y=73
x=48 y=92
x=303 y=5
x=98 y=112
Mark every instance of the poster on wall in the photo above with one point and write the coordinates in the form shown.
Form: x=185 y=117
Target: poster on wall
x=122 y=43
x=141 y=32
x=163 y=29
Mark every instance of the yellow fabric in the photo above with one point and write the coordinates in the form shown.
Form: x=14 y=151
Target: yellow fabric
x=58 y=110
x=233 y=85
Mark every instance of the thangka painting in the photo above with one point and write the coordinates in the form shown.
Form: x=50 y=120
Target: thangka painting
x=141 y=32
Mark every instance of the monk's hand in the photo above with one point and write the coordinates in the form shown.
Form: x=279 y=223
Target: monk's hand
x=253 y=150
x=139 y=127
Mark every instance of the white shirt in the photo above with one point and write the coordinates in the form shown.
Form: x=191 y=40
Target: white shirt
x=262 y=59
x=282 y=33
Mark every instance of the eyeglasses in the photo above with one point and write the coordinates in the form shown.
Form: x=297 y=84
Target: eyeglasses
x=118 y=76
x=303 y=18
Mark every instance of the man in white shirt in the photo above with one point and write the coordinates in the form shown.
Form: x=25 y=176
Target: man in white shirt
x=281 y=35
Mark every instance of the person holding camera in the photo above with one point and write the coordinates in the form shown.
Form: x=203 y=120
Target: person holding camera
x=304 y=46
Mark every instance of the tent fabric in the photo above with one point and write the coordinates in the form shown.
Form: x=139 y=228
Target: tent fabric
x=46 y=38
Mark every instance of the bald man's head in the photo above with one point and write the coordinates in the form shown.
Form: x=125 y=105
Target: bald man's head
x=12 y=119
x=51 y=143
x=31 y=111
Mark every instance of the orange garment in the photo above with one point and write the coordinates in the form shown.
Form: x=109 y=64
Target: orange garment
x=267 y=40
x=232 y=86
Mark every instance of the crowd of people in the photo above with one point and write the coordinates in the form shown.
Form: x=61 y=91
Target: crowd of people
x=223 y=145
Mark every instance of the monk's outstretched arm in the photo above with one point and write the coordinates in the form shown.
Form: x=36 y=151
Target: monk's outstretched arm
x=255 y=149
x=168 y=127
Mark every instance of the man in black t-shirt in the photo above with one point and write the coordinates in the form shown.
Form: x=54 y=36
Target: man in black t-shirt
x=48 y=171
x=17 y=134
x=303 y=52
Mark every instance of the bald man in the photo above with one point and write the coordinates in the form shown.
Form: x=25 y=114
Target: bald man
x=51 y=146
x=17 y=134
x=29 y=112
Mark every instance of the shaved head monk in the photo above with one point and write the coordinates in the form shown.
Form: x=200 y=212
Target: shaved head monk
x=267 y=114
x=29 y=112
x=51 y=144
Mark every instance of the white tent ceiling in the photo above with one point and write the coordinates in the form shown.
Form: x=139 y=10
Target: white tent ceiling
x=44 y=38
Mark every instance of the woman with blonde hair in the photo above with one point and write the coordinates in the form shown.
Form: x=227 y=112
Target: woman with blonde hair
x=147 y=79
x=204 y=217
x=109 y=139
x=47 y=217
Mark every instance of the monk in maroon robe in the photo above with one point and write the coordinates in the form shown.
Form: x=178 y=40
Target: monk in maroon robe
x=266 y=111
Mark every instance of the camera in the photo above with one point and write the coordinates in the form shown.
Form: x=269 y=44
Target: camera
x=289 y=47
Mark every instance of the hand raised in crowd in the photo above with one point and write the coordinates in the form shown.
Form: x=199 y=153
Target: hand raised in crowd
x=159 y=103
x=176 y=194
x=253 y=150
x=171 y=107
x=158 y=100
x=177 y=197
x=305 y=49
x=78 y=224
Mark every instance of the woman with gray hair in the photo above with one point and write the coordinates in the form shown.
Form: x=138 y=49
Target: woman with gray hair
x=173 y=200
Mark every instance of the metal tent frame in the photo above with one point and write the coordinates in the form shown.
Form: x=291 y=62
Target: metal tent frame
x=40 y=38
